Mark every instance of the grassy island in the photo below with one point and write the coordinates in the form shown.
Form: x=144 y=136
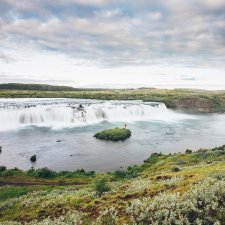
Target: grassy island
x=115 y=134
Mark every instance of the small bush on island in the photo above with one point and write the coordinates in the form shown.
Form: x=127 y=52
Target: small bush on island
x=115 y=134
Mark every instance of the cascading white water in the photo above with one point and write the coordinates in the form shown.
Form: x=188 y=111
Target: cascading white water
x=66 y=113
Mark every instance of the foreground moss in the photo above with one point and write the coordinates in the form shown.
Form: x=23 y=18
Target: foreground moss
x=152 y=193
x=115 y=134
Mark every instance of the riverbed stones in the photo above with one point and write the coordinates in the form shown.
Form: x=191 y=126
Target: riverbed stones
x=33 y=158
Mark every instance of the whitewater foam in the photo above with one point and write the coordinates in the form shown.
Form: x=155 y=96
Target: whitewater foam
x=62 y=113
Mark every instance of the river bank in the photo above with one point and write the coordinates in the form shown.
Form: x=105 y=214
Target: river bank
x=171 y=181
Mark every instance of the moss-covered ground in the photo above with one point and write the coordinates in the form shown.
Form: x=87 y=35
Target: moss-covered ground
x=52 y=195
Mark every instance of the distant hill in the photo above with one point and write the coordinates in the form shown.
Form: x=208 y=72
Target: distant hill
x=36 y=87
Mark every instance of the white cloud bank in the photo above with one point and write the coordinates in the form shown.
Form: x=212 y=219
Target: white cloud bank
x=110 y=43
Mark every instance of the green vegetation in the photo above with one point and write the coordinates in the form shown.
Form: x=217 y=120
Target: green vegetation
x=115 y=134
x=183 y=188
x=44 y=173
x=131 y=172
x=181 y=99
x=188 y=151
x=37 y=87
x=101 y=186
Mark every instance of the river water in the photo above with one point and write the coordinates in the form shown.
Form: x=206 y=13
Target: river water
x=60 y=132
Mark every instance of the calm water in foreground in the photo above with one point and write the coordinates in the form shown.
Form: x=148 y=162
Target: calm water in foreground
x=60 y=132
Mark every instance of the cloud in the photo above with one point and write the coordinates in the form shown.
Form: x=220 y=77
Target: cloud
x=116 y=33
x=213 y=4
x=91 y=2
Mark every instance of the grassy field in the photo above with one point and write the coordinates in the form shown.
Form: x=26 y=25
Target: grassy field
x=178 y=188
x=187 y=100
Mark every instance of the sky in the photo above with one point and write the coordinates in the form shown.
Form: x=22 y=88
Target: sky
x=113 y=43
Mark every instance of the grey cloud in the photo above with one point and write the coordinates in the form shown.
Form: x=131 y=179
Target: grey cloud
x=6 y=58
x=124 y=32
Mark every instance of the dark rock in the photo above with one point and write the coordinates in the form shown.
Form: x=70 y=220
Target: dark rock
x=33 y=158
x=176 y=169
x=80 y=107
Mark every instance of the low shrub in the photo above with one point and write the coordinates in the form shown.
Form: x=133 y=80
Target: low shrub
x=101 y=186
x=202 y=150
x=175 y=169
x=188 y=151
x=219 y=148
x=2 y=168
x=79 y=172
x=119 y=174
x=203 y=204
x=9 y=172
x=47 y=173
x=181 y=162
x=131 y=172
x=204 y=154
x=107 y=217
x=154 y=158
x=44 y=173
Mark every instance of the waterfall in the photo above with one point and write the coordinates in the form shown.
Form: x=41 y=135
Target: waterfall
x=66 y=113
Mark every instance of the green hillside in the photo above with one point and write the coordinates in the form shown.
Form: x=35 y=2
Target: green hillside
x=186 y=188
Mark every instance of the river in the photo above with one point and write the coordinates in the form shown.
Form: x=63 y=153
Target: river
x=60 y=132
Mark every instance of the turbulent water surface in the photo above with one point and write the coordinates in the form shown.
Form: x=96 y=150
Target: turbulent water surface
x=60 y=132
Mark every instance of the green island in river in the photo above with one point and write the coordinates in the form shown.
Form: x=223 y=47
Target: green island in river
x=115 y=134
